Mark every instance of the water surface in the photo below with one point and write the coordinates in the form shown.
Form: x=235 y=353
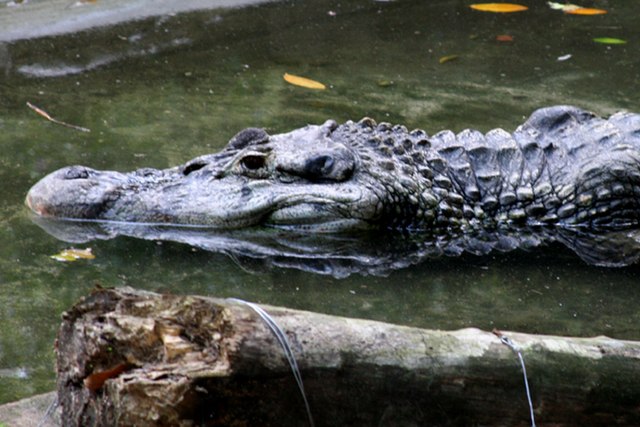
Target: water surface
x=159 y=91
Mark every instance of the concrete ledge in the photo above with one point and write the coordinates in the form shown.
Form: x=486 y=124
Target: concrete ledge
x=52 y=17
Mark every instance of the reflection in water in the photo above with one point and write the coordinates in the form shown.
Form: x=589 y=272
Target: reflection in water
x=368 y=253
x=59 y=70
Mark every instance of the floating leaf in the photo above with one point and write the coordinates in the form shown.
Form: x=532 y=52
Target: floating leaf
x=559 y=6
x=303 y=82
x=574 y=9
x=498 y=7
x=609 y=40
x=565 y=7
x=72 y=254
x=447 y=58
x=504 y=38
x=585 y=11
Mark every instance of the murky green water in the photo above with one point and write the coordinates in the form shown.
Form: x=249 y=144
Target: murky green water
x=161 y=91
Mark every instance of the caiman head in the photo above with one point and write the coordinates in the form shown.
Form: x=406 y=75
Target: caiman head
x=312 y=178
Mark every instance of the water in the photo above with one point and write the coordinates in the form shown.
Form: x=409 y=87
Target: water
x=160 y=91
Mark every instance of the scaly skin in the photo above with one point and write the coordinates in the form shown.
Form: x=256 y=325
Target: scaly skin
x=564 y=167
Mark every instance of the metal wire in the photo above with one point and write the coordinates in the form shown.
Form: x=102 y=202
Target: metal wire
x=507 y=341
x=284 y=343
x=50 y=410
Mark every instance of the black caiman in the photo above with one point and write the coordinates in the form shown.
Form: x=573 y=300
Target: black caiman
x=563 y=169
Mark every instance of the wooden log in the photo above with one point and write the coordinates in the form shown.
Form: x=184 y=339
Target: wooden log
x=130 y=357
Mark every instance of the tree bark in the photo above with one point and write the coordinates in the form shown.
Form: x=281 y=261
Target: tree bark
x=129 y=357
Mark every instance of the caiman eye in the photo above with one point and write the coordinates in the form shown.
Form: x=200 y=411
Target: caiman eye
x=253 y=162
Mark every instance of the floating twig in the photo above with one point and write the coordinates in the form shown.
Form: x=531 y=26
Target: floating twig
x=46 y=115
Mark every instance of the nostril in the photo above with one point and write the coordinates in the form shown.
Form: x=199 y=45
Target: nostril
x=318 y=167
x=76 y=172
x=331 y=164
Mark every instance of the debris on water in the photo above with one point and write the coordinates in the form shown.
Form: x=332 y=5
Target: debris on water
x=447 y=58
x=303 y=82
x=18 y=373
x=46 y=115
x=504 y=38
x=574 y=9
x=586 y=11
x=609 y=40
x=385 y=83
x=71 y=254
x=499 y=7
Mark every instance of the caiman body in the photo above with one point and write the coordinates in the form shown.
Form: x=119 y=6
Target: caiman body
x=564 y=167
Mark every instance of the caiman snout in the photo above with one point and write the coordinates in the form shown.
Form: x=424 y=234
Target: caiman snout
x=73 y=192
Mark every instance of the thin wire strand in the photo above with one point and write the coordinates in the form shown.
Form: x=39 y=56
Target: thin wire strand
x=52 y=407
x=526 y=386
x=284 y=343
x=507 y=341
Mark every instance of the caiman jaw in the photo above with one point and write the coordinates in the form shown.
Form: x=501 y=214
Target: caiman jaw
x=317 y=215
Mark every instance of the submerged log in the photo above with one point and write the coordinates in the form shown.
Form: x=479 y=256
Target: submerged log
x=130 y=357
